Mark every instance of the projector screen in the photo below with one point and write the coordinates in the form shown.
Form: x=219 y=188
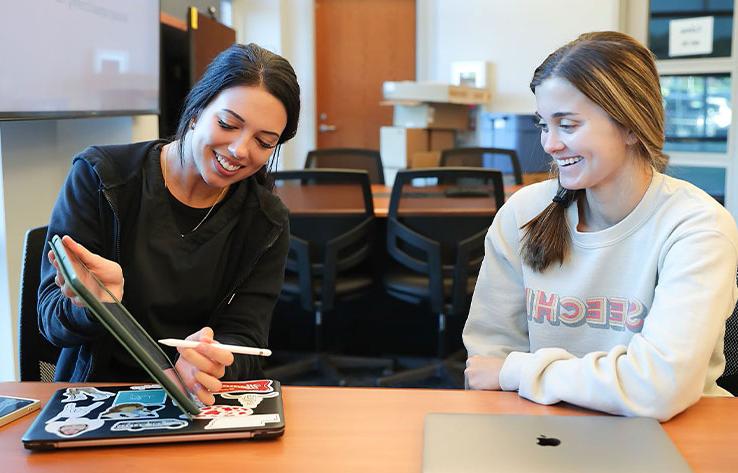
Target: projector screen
x=75 y=58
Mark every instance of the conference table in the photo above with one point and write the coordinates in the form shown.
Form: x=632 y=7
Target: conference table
x=331 y=429
x=333 y=199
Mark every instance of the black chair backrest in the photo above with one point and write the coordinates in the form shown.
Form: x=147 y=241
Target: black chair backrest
x=37 y=357
x=493 y=158
x=331 y=227
x=348 y=158
x=437 y=221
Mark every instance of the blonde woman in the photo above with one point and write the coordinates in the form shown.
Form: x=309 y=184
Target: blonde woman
x=609 y=286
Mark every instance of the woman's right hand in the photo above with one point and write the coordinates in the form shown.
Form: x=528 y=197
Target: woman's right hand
x=108 y=272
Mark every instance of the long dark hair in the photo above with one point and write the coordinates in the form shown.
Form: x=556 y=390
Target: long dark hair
x=245 y=65
x=619 y=74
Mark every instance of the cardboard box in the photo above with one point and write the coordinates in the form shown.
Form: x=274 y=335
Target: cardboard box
x=397 y=145
x=445 y=116
x=425 y=159
x=434 y=92
x=438 y=140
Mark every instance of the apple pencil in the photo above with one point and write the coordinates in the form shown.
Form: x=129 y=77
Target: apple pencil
x=175 y=342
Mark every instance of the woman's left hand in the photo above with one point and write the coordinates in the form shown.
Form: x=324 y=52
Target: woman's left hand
x=202 y=367
x=483 y=372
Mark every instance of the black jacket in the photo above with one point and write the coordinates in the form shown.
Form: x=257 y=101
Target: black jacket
x=98 y=206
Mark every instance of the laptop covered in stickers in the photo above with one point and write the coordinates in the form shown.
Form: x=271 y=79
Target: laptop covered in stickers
x=163 y=412
x=127 y=415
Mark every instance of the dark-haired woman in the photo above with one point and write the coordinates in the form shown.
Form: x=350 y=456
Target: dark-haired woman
x=608 y=287
x=191 y=226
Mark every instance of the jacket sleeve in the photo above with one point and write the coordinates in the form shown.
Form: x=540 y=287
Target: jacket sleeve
x=75 y=213
x=497 y=322
x=663 y=369
x=246 y=318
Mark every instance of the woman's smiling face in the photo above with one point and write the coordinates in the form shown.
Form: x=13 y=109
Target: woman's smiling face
x=590 y=150
x=235 y=134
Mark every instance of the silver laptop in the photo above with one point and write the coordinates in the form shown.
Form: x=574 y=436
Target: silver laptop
x=471 y=443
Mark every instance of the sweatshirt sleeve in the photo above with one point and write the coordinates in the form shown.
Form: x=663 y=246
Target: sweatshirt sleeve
x=497 y=321
x=246 y=319
x=75 y=213
x=663 y=368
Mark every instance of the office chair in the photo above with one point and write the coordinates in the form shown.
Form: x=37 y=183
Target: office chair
x=484 y=158
x=436 y=227
x=729 y=379
x=331 y=234
x=36 y=356
x=348 y=158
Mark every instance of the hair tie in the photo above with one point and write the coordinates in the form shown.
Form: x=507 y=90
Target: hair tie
x=564 y=197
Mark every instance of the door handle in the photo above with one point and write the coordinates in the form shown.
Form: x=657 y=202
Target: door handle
x=323 y=128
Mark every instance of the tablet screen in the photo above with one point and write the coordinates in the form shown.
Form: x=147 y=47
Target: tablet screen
x=12 y=404
x=123 y=326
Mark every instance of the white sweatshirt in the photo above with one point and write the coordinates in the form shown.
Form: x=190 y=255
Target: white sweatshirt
x=632 y=322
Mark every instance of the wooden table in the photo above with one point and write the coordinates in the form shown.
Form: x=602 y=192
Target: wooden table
x=307 y=200
x=349 y=430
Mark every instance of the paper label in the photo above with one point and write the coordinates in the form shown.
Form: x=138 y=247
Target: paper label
x=691 y=36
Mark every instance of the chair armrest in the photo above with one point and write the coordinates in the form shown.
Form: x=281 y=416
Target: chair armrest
x=465 y=263
x=433 y=268
x=332 y=264
x=298 y=261
x=361 y=233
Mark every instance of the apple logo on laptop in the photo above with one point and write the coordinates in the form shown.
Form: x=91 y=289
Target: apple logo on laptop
x=548 y=441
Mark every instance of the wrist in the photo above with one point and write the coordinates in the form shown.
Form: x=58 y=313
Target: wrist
x=512 y=369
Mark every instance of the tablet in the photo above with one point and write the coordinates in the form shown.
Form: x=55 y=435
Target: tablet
x=124 y=327
x=12 y=407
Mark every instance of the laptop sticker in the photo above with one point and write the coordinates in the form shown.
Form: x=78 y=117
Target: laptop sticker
x=73 y=427
x=133 y=410
x=220 y=410
x=71 y=411
x=259 y=420
x=250 y=400
x=257 y=386
x=146 y=386
x=149 y=397
x=85 y=393
x=151 y=424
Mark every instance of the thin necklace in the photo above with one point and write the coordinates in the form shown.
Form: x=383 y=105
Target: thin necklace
x=210 y=210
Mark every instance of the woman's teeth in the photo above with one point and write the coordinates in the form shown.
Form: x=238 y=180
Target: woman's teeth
x=569 y=161
x=226 y=165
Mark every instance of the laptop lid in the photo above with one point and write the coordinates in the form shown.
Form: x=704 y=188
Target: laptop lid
x=124 y=327
x=144 y=414
x=471 y=443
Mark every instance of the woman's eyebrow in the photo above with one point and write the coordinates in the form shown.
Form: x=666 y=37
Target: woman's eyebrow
x=235 y=115
x=240 y=119
x=557 y=115
x=563 y=114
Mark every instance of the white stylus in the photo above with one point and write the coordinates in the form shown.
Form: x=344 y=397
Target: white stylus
x=175 y=342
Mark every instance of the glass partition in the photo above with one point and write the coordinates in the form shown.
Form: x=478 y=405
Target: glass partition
x=698 y=112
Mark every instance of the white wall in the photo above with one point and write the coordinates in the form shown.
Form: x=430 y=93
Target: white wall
x=298 y=46
x=514 y=36
x=34 y=160
x=285 y=27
